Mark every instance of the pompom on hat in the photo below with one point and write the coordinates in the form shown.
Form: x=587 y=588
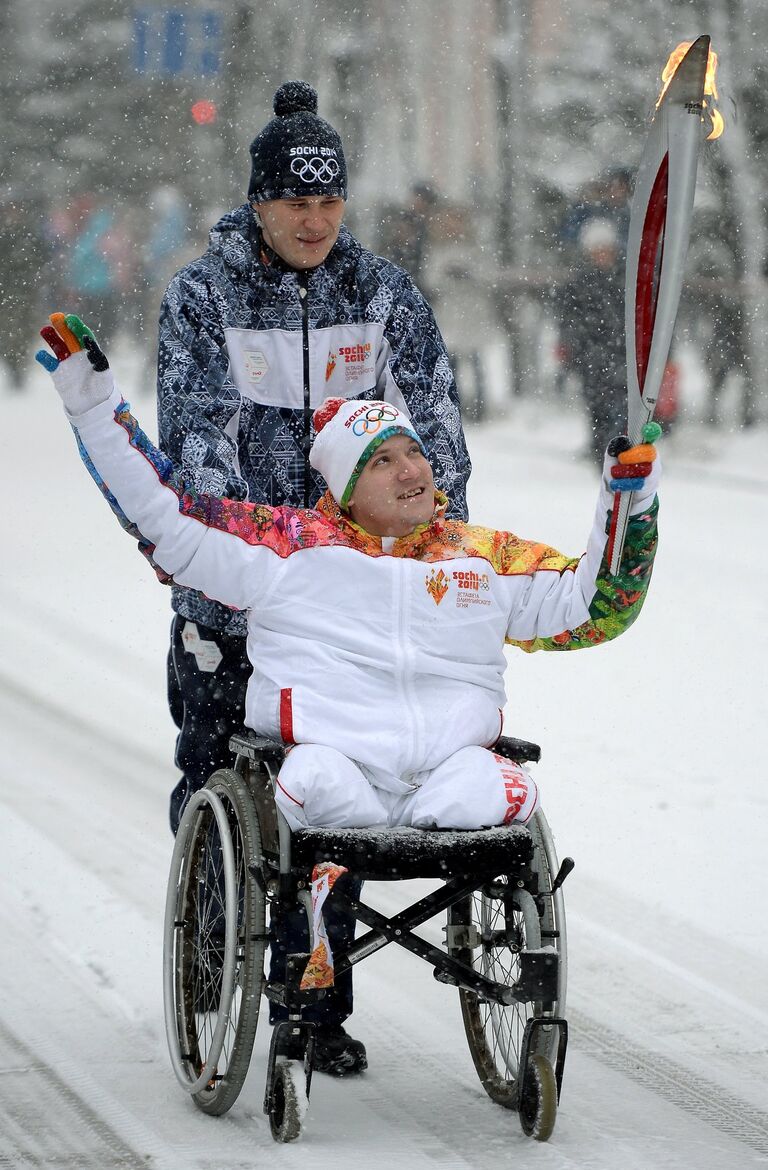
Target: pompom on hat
x=297 y=153
x=598 y=232
x=348 y=431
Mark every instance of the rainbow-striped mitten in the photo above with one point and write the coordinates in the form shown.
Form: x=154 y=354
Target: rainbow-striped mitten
x=78 y=367
x=633 y=464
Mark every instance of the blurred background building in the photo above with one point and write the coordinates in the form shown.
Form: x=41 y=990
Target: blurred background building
x=480 y=134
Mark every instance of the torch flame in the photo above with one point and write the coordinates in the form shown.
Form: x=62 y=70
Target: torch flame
x=718 y=124
x=710 y=85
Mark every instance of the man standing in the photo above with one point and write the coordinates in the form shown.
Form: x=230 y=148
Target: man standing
x=284 y=309
x=591 y=307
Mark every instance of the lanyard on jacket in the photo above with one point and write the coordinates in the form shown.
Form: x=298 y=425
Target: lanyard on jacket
x=303 y=280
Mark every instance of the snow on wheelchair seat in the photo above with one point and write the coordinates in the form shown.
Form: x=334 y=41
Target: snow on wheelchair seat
x=407 y=853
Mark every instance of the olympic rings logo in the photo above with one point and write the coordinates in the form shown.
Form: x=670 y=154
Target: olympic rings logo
x=373 y=419
x=315 y=170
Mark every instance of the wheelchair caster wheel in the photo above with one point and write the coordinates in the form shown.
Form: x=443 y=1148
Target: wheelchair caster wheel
x=538 y=1107
x=288 y=1105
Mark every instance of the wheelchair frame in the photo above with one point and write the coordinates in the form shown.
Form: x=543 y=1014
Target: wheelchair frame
x=505 y=951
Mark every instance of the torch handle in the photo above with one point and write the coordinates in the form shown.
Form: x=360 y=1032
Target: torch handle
x=622 y=502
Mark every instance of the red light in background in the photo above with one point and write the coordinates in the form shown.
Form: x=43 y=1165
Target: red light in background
x=204 y=112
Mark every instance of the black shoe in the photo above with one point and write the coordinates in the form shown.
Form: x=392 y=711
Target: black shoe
x=336 y=1053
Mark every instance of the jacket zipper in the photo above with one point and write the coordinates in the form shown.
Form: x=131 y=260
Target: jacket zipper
x=303 y=280
x=404 y=654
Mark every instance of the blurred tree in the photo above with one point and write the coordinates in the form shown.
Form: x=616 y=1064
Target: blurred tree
x=509 y=113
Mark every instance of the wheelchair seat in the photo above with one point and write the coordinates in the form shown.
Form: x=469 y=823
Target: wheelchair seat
x=390 y=854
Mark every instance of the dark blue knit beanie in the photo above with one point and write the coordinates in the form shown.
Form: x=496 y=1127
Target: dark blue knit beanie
x=297 y=153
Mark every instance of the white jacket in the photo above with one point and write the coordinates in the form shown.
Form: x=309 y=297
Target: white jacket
x=389 y=650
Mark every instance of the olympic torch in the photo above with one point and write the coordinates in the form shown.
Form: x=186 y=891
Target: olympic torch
x=659 y=228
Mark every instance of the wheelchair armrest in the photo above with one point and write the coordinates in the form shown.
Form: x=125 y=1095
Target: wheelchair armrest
x=519 y=750
x=247 y=743
x=256 y=747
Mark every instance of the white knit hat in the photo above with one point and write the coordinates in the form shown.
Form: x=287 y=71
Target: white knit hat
x=348 y=431
x=598 y=233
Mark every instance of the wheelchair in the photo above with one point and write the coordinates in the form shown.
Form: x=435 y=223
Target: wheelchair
x=237 y=866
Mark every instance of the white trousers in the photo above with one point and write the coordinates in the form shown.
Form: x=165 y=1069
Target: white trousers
x=472 y=789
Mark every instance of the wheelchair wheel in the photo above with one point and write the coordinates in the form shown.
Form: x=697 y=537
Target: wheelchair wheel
x=215 y=935
x=538 y=1106
x=497 y=922
x=289 y=1100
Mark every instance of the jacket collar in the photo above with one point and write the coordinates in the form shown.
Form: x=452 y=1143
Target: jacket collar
x=404 y=546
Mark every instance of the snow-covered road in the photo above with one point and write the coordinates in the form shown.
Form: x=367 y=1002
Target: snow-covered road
x=654 y=779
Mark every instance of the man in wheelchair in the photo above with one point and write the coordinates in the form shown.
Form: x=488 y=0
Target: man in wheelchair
x=376 y=626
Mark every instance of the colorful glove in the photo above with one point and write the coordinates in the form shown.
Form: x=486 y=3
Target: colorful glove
x=79 y=369
x=634 y=464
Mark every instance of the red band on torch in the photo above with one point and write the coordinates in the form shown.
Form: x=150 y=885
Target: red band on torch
x=647 y=286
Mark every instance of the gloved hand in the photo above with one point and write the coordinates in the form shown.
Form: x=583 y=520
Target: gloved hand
x=633 y=464
x=79 y=370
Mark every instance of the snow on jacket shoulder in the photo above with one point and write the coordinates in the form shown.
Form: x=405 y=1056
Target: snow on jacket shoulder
x=392 y=655
x=233 y=384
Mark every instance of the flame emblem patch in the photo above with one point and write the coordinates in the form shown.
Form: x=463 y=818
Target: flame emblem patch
x=437 y=585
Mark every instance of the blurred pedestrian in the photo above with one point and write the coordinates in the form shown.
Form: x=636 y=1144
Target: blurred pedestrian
x=617 y=201
x=22 y=260
x=725 y=357
x=164 y=242
x=97 y=255
x=406 y=233
x=463 y=298
x=606 y=197
x=168 y=243
x=715 y=305
x=591 y=312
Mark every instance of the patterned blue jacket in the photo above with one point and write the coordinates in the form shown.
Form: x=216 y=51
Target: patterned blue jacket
x=249 y=349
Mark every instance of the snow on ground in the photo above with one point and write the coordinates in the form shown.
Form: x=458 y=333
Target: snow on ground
x=653 y=776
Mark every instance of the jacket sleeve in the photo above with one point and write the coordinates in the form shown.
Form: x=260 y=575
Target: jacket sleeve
x=570 y=604
x=222 y=547
x=197 y=402
x=418 y=364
